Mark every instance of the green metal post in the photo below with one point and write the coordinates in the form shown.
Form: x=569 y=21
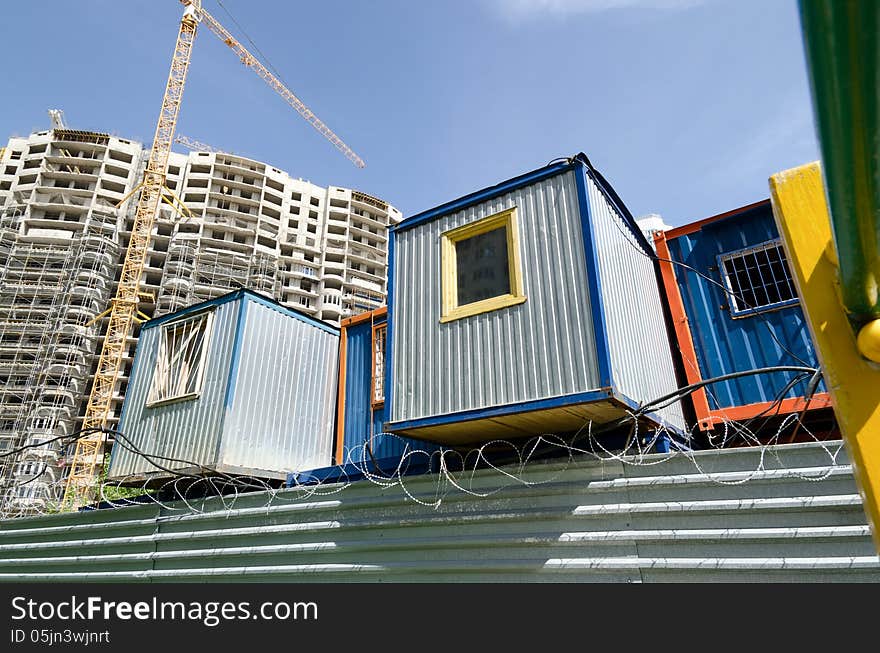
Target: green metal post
x=842 y=42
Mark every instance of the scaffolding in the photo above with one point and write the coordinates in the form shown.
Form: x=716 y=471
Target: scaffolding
x=49 y=293
x=176 y=289
x=193 y=274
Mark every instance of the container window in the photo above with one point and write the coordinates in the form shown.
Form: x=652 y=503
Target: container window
x=180 y=365
x=378 y=385
x=758 y=279
x=481 y=268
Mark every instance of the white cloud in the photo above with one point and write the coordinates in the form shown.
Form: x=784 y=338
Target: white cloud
x=521 y=9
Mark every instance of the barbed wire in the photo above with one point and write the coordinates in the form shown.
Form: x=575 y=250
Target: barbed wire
x=449 y=470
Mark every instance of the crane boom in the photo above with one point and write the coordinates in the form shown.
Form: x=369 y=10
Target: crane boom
x=254 y=64
x=89 y=449
x=193 y=144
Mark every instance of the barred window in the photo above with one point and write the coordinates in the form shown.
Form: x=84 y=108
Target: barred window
x=758 y=278
x=180 y=364
x=379 y=333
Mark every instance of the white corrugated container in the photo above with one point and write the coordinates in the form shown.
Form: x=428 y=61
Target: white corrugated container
x=587 y=340
x=266 y=405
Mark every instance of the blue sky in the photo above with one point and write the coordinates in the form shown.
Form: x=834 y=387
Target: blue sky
x=686 y=106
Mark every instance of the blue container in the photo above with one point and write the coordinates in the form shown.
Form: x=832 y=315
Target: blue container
x=743 y=314
x=239 y=384
x=360 y=436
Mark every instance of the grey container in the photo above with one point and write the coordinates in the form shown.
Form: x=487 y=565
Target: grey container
x=265 y=405
x=587 y=341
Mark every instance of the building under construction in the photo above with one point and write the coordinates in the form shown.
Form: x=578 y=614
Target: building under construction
x=317 y=249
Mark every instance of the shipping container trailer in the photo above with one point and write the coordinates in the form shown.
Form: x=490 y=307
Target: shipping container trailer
x=735 y=308
x=362 y=447
x=361 y=416
x=239 y=385
x=526 y=308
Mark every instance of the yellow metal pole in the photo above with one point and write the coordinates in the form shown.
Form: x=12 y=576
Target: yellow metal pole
x=801 y=211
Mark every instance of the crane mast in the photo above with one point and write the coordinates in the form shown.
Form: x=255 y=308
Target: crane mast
x=123 y=311
x=88 y=455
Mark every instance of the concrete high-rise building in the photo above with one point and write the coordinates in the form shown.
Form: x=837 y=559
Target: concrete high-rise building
x=321 y=250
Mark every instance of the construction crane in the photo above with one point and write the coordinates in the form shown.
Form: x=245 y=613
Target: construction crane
x=196 y=146
x=88 y=456
x=57 y=118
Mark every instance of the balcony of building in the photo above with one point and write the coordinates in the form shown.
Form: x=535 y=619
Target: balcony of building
x=67 y=156
x=59 y=198
x=334 y=273
x=99 y=259
x=81 y=314
x=368 y=202
x=366 y=255
x=212 y=245
x=262 y=278
x=311 y=291
x=86 y=295
x=69 y=369
x=240 y=166
x=60 y=173
x=234 y=202
x=377 y=276
x=231 y=219
x=364 y=284
x=331 y=300
x=337 y=216
x=171 y=303
x=177 y=284
x=335 y=247
x=53 y=413
x=371 y=218
x=360 y=230
x=94 y=276
x=69 y=217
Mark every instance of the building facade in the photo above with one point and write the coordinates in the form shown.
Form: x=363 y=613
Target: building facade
x=320 y=250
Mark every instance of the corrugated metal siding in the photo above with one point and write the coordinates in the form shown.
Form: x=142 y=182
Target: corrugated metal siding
x=282 y=412
x=188 y=430
x=724 y=344
x=542 y=348
x=789 y=514
x=639 y=344
x=361 y=421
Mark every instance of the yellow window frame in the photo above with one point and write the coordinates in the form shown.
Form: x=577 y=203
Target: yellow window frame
x=450 y=308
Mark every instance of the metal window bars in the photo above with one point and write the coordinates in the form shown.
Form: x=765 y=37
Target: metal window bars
x=758 y=278
x=180 y=364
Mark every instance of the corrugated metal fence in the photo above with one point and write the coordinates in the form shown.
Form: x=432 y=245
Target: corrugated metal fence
x=789 y=513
